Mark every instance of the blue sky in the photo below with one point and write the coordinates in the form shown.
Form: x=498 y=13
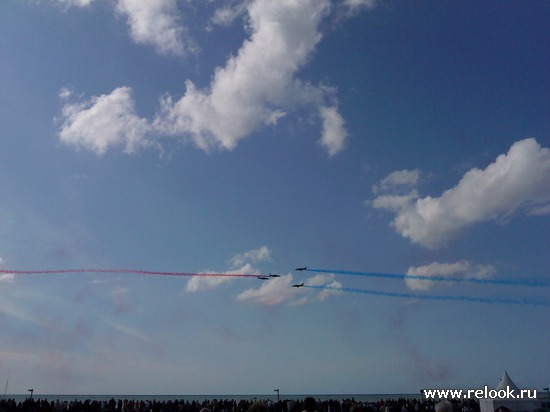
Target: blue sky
x=253 y=137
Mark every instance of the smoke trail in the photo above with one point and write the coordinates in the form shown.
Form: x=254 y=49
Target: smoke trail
x=505 y=282
x=504 y=301
x=128 y=271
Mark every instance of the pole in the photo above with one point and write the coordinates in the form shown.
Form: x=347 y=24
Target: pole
x=6 y=388
x=277 y=390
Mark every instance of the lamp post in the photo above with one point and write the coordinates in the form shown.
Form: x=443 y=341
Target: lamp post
x=277 y=390
x=31 y=391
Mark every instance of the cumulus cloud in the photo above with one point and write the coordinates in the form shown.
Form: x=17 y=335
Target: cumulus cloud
x=256 y=87
x=103 y=122
x=517 y=181
x=461 y=270
x=156 y=23
x=334 y=132
x=279 y=290
x=250 y=91
x=151 y=22
x=238 y=264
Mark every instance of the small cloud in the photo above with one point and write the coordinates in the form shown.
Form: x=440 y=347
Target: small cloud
x=355 y=6
x=7 y=278
x=334 y=133
x=103 y=122
x=224 y=16
x=279 y=290
x=398 y=180
x=156 y=23
x=461 y=270
x=64 y=93
x=262 y=254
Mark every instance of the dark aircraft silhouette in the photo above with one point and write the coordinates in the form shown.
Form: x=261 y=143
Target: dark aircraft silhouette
x=263 y=277
x=304 y=268
x=274 y=276
x=299 y=285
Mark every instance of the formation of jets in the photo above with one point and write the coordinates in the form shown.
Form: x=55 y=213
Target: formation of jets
x=298 y=285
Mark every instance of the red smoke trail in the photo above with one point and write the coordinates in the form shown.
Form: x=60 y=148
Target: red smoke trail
x=129 y=271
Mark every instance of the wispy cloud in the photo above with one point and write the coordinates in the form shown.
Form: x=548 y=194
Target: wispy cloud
x=279 y=290
x=462 y=269
x=516 y=181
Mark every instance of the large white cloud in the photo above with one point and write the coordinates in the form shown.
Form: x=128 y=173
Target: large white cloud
x=250 y=91
x=103 y=122
x=255 y=88
x=457 y=270
x=516 y=181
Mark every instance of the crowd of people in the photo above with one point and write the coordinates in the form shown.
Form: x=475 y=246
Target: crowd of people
x=308 y=404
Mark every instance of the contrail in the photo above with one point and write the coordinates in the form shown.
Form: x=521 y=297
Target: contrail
x=473 y=299
x=129 y=271
x=506 y=282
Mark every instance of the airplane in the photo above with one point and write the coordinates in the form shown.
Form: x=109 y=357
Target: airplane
x=299 y=285
x=263 y=277
x=304 y=268
x=274 y=276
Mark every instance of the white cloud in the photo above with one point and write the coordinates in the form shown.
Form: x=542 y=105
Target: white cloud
x=334 y=132
x=356 y=5
x=461 y=270
x=151 y=22
x=239 y=264
x=225 y=15
x=103 y=122
x=73 y=3
x=516 y=181
x=262 y=254
x=199 y=283
x=7 y=278
x=279 y=290
x=250 y=90
x=256 y=88
x=398 y=179
x=156 y=23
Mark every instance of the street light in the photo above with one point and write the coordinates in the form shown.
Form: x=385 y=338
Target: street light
x=277 y=390
x=31 y=391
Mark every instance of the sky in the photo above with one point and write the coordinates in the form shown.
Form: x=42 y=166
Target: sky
x=406 y=140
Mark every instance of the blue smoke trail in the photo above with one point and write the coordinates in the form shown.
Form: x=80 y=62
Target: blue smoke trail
x=504 y=301
x=506 y=282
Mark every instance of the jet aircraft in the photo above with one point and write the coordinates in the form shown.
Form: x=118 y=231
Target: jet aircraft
x=299 y=285
x=274 y=276
x=304 y=268
x=263 y=277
